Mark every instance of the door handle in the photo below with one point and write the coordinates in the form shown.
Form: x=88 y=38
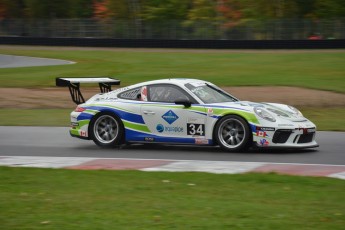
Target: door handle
x=149 y=112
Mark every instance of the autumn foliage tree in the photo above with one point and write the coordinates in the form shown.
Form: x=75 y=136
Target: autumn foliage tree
x=101 y=9
x=230 y=11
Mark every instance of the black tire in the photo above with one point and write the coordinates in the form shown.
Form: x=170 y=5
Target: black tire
x=106 y=130
x=232 y=133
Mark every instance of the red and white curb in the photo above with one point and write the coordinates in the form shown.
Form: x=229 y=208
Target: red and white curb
x=226 y=167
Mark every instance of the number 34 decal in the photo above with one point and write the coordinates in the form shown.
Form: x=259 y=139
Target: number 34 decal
x=195 y=129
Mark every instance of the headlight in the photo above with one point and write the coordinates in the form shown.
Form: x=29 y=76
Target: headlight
x=264 y=114
x=295 y=111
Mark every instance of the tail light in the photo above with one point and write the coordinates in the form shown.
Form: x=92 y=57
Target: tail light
x=79 y=109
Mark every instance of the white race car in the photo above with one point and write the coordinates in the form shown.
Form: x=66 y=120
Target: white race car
x=183 y=111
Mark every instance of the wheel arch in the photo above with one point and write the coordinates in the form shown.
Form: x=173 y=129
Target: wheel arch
x=247 y=117
x=111 y=113
x=250 y=118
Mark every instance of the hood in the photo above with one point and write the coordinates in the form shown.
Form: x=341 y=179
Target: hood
x=285 y=112
x=279 y=111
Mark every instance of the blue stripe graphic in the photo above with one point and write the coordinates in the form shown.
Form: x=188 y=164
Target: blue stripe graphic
x=122 y=114
x=132 y=135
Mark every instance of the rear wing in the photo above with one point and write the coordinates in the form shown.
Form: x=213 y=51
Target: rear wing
x=73 y=84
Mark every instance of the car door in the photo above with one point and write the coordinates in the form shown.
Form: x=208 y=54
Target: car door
x=171 y=122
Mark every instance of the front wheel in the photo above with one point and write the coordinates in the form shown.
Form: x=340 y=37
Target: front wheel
x=232 y=133
x=106 y=130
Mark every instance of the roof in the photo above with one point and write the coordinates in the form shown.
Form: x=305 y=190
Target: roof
x=177 y=81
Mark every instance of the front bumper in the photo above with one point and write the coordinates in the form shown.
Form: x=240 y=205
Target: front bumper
x=296 y=137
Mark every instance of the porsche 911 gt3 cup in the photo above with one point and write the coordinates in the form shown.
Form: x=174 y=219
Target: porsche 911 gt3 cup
x=183 y=111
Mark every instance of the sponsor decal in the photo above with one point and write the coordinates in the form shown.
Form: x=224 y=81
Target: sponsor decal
x=209 y=111
x=170 y=117
x=285 y=125
x=265 y=128
x=307 y=130
x=196 y=120
x=149 y=139
x=261 y=134
x=107 y=99
x=172 y=129
x=201 y=141
x=286 y=130
x=74 y=124
x=82 y=133
x=264 y=142
x=160 y=128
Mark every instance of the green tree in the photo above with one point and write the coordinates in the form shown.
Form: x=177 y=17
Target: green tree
x=119 y=9
x=329 y=8
x=269 y=9
x=80 y=8
x=156 y=10
x=202 y=10
x=47 y=9
x=12 y=8
x=202 y=19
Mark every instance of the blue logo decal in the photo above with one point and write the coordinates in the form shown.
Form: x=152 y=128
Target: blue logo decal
x=264 y=142
x=160 y=128
x=170 y=117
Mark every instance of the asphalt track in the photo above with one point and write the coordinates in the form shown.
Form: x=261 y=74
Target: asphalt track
x=10 y=61
x=55 y=141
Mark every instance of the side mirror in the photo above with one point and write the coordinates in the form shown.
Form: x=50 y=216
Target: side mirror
x=185 y=102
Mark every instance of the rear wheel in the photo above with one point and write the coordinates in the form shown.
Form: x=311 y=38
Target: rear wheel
x=232 y=133
x=106 y=130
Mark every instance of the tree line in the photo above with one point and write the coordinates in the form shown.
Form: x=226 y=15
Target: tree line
x=229 y=12
x=175 y=19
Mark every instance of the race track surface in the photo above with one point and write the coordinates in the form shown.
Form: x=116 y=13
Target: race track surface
x=56 y=142
x=49 y=147
x=10 y=61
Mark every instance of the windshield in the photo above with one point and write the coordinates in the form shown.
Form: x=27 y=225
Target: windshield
x=209 y=93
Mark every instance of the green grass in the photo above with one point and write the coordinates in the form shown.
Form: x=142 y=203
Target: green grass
x=331 y=119
x=318 y=70
x=73 y=199
x=35 y=117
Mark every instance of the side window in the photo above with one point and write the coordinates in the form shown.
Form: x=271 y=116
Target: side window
x=166 y=93
x=132 y=94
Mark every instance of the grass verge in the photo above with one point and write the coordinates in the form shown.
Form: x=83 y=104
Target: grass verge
x=71 y=199
x=330 y=119
x=319 y=70
x=327 y=119
x=35 y=117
